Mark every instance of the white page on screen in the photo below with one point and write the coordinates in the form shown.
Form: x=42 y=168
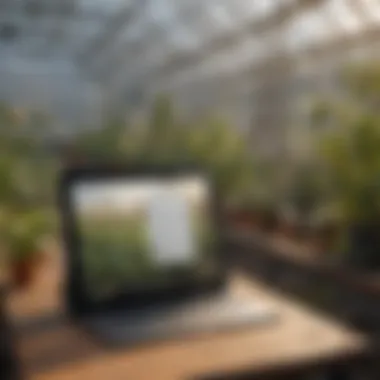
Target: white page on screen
x=170 y=233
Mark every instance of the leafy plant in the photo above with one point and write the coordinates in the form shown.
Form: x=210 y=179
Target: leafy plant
x=351 y=157
x=164 y=138
x=306 y=191
x=27 y=175
x=26 y=168
x=22 y=233
x=353 y=165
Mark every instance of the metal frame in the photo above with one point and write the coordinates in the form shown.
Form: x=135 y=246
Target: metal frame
x=155 y=57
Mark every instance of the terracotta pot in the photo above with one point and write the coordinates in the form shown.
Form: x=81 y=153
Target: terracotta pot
x=23 y=271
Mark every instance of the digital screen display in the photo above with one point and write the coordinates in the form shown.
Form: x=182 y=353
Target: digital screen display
x=143 y=233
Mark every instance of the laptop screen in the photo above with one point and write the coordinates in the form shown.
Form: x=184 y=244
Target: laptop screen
x=137 y=233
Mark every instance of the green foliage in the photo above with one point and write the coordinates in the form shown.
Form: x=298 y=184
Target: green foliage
x=353 y=166
x=166 y=139
x=350 y=155
x=305 y=191
x=363 y=82
x=116 y=249
x=26 y=180
x=263 y=194
x=223 y=151
x=104 y=143
x=346 y=128
x=320 y=113
x=351 y=152
x=22 y=233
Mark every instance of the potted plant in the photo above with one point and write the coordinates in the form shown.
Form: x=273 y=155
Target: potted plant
x=351 y=153
x=23 y=233
x=354 y=165
x=242 y=210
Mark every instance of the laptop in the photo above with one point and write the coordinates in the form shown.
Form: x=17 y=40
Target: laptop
x=146 y=258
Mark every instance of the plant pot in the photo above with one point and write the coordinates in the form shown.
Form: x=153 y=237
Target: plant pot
x=22 y=272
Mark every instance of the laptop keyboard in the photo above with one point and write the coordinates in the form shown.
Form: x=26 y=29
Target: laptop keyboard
x=196 y=316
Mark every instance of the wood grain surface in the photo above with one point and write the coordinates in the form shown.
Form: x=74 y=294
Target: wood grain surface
x=50 y=348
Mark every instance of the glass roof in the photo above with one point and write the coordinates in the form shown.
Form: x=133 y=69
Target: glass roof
x=161 y=30
x=121 y=44
x=183 y=29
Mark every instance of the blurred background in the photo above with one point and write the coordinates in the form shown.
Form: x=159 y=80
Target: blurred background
x=278 y=99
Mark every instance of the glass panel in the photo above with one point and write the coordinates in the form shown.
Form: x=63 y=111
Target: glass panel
x=373 y=7
x=345 y=15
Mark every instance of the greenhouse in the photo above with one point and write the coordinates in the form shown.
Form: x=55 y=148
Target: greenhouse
x=260 y=62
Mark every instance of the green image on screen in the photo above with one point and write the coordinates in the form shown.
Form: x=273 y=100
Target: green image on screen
x=137 y=233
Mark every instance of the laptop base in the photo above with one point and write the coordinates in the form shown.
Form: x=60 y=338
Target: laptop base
x=206 y=315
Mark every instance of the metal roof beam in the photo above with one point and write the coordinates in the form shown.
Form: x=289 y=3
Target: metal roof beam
x=267 y=69
x=113 y=27
x=112 y=65
x=359 y=9
x=273 y=21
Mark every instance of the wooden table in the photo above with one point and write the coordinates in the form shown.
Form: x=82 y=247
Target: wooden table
x=52 y=349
